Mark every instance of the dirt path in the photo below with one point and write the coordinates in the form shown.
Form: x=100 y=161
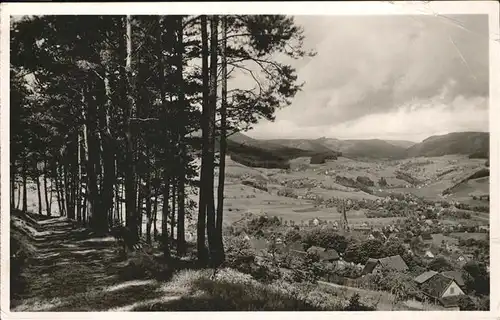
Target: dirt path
x=72 y=270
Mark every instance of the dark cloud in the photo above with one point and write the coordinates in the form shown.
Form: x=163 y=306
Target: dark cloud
x=375 y=64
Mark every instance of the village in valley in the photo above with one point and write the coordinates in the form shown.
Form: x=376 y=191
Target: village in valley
x=249 y=163
x=418 y=250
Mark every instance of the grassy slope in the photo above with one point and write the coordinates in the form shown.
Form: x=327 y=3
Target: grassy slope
x=71 y=270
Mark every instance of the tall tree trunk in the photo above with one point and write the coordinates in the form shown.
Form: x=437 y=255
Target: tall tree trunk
x=67 y=188
x=98 y=217
x=164 y=217
x=173 y=211
x=223 y=145
x=18 y=197
x=58 y=190
x=108 y=146
x=181 y=240
x=148 y=208
x=211 y=231
x=202 y=203
x=79 y=181
x=61 y=189
x=39 y=193
x=46 y=189
x=155 y=216
x=130 y=174
x=166 y=168
x=13 y=184
x=25 y=183
x=140 y=203
x=117 y=200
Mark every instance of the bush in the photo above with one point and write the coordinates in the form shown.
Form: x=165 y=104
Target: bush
x=144 y=266
x=365 y=181
x=476 y=277
x=18 y=258
x=356 y=305
x=292 y=235
x=226 y=296
x=440 y=264
x=326 y=238
x=406 y=177
x=263 y=222
x=479 y=155
x=287 y=192
x=480 y=174
x=465 y=303
x=260 y=163
x=322 y=158
x=265 y=274
x=255 y=184
x=382 y=182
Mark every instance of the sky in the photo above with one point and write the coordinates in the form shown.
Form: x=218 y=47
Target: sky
x=388 y=77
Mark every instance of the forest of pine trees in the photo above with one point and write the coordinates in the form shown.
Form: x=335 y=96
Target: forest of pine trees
x=106 y=110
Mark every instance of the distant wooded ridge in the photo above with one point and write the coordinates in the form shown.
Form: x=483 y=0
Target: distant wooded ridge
x=277 y=152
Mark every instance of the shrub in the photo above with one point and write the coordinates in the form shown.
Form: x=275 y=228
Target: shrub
x=465 y=303
x=440 y=264
x=292 y=235
x=287 y=192
x=262 y=222
x=322 y=158
x=326 y=238
x=480 y=174
x=479 y=155
x=225 y=296
x=260 y=163
x=382 y=182
x=144 y=266
x=255 y=184
x=476 y=277
x=365 y=180
x=356 y=305
x=19 y=256
x=265 y=273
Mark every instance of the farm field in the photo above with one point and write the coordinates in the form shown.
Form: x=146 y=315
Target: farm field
x=241 y=199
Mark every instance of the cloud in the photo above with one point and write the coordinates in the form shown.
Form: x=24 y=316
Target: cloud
x=373 y=67
x=414 y=121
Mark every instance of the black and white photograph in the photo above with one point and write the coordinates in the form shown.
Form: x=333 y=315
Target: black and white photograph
x=250 y=161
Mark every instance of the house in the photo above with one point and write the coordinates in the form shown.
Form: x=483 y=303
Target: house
x=462 y=259
x=483 y=229
x=429 y=254
x=328 y=255
x=395 y=263
x=438 y=287
x=455 y=275
x=424 y=277
x=377 y=234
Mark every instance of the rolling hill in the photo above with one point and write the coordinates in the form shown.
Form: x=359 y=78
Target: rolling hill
x=453 y=143
x=475 y=144
x=373 y=148
x=401 y=143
